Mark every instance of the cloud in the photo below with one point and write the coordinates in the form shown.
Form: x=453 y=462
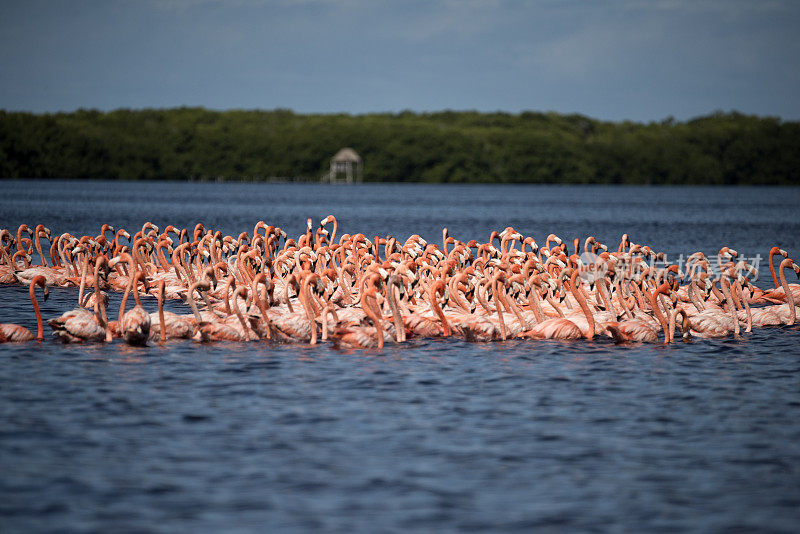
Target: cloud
x=662 y=39
x=182 y=5
x=711 y=6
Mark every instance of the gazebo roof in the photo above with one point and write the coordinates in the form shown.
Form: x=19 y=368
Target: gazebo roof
x=345 y=155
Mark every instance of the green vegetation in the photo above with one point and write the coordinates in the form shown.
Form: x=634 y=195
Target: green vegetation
x=198 y=144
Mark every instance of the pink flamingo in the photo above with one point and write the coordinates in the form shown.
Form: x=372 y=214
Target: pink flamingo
x=561 y=327
x=227 y=330
x=363 y=336
x=780 y=292
x=135 y=324
x=779 y=314
x=716 y=323
x=291 y=325
x=80 y=324
x=212 y=328
x=420 y=324
x=637 y=330
x=167 y=325
x=685 y=324
x=15 y=332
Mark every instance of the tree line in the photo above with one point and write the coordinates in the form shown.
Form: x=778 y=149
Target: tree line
x=447 y=146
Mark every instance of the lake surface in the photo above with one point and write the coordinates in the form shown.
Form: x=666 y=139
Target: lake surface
x=435 y=435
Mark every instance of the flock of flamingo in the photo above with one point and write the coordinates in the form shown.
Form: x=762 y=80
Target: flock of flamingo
x=354 y=292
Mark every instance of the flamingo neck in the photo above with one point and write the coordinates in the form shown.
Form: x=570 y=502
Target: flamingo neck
x=602 y=288
x=660 y=316
x=772 y=253
x=577 y=291
x=193 y=304
x=239 y=316
x=162 y=322
x=39 y=326
x=787 y=291
x=745 y=305
x=306 y=301
x=534 y=303
x=369 y=304
x=400 y=334
x=38 y=244
x=672 y=320
x=726 y=290
x=136 y=293
x=439 y=313
x=623 y=301
x=498 y=298
x=124 y=302
x=691 y=291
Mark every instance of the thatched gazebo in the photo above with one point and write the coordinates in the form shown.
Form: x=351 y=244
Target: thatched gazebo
x=348 y=162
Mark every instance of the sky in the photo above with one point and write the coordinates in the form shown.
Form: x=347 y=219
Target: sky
x=612 y=60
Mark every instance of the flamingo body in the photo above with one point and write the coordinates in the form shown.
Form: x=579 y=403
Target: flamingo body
x=136 y=326
x=711 y=324
x=14 y=333
x=218 y=331
x=633 y=330
x=175 y=326
x=555 y=328
x=77 y=325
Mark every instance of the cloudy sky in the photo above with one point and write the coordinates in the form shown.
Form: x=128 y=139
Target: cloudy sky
x=618 y=59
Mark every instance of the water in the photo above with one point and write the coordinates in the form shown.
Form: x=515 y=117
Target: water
x=436 y=435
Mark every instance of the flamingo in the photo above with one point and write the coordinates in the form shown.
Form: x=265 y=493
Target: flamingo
x=329 y=219
x=716 y=323
x=422 y=325
x=684 y=325
x=291 y=325
x=261 y=324
x=134 y=325
x=637 y=330
x=468 y=290
x=363 y=336
x=213 y=328
x=15 y=332
x=783 y=313
x=223 y=330
x=80 y=324
x=562 y=327
x=167 y=325
x=780 y=292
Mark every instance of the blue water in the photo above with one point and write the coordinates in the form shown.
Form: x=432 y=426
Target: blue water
x=435 y=435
